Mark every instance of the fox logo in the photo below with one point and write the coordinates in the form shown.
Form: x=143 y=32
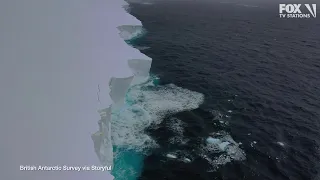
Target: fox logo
x=293 y=10
x=313 y=10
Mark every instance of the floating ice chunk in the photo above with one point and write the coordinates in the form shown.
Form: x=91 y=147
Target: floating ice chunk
x=186 y=160
x=229 y=111
x=252 y=143
x=223 y=145
x=171 y=156
x=280 y=143
x=212 y=140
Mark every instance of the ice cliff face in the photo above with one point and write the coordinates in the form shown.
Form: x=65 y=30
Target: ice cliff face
x=135 y=67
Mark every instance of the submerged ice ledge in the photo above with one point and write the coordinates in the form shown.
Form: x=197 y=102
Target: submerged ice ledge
x=133 y=66
x=128 y=32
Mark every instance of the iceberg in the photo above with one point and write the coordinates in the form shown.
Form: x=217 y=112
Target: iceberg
x=137 y=101
x=134 y=69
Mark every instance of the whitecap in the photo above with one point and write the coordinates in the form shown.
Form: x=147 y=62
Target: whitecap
x=172 y=156
x=128 y=32
x=280 y=143
x=186 y=160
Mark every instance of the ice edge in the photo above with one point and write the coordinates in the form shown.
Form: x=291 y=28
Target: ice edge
x=140 y=68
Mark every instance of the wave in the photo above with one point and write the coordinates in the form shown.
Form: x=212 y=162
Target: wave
x=131 y=32
x=247 y=5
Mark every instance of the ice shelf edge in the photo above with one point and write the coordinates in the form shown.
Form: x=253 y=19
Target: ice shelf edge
x=140 y=66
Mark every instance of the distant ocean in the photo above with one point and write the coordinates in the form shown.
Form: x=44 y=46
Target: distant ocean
x=234 y=93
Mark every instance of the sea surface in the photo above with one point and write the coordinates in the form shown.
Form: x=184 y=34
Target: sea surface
x=234 y=93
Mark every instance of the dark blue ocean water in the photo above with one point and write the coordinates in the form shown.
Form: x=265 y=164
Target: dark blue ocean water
x=260 y=76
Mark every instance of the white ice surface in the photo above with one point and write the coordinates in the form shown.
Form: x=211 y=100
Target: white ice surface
x=53 y=56
x=213 y=140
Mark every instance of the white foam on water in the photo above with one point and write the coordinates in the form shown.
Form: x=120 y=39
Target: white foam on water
x=217 y=115
x=142 y=47
x=178 y=140
x=128 y=126
x=165 y=99
x=146 y=106
x=128 y=32
x=176 y=126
